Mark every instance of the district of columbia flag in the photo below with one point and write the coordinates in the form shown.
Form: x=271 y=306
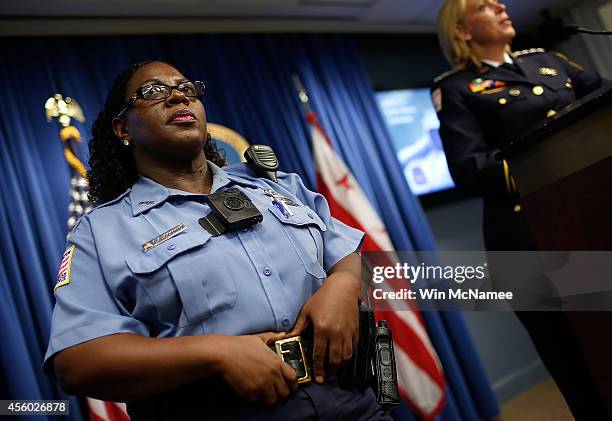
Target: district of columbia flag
x=419 y=371
x=107 y=411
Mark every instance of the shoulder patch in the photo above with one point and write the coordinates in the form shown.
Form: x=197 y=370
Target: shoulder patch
x=528 y=51
x=436 y=99
x=63 y=274
x=76 y=226
x=446 y=74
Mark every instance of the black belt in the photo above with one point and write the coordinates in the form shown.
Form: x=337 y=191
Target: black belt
x=297 y=353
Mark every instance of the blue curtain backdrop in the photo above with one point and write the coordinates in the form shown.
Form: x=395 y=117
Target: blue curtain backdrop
x=249 y=88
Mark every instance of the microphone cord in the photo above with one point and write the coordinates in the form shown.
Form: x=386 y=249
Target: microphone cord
x=572 y=28
x=590 y=31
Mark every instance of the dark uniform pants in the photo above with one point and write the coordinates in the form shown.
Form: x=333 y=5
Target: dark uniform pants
x=560 y=352
x=550 y=331
x=310 y=402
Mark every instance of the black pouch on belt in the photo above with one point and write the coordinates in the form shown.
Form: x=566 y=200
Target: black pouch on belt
x=358 y=372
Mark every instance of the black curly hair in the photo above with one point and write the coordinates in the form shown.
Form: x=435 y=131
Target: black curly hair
x=112 y=169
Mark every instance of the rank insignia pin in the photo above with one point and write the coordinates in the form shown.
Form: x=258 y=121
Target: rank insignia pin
x=548 y=71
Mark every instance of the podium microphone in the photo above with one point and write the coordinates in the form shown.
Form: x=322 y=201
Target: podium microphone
x=572 y=28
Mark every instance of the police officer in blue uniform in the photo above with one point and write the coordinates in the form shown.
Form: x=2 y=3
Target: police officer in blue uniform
x=490 y=96
x=154 y=309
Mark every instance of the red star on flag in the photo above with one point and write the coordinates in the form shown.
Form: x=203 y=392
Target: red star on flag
x=344 y=181
x=419 y=372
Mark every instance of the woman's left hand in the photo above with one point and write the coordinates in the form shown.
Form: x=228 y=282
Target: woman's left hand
x=334 y=313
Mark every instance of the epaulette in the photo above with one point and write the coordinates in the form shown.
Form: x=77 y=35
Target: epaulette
x=244 y=172
x=110 y=202
x=528 y=51
x=240 y=169
x=82 y=217
x=76 y=227
x=564 y=57
x=446 y=74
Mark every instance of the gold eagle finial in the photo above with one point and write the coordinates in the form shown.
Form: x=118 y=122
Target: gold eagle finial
x=63 y=108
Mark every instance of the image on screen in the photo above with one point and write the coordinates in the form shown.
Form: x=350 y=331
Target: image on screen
x=413 y=125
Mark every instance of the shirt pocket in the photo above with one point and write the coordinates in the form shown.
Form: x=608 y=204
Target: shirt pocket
x=186 y=268
x=515 y=112
x=304 y=230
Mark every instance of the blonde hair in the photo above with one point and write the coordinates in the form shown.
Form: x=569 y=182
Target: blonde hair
x=456 y=50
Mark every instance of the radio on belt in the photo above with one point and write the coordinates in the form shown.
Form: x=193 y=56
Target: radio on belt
x=231 y=209
x=386 y=386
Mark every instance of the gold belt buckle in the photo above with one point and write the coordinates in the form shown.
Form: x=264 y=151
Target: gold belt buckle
x=282 y=352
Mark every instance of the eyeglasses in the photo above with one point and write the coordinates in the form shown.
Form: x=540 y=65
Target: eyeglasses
x=161 y=91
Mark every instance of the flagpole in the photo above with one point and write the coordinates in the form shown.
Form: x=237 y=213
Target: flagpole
x=302 y=93
x=65 y=109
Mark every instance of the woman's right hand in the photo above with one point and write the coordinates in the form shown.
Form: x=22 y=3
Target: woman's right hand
x=253 y=370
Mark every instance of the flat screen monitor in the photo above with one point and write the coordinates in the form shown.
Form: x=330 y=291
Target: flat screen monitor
x=413 y=124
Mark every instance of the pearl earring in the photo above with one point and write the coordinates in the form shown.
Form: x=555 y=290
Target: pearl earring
x=126 y=142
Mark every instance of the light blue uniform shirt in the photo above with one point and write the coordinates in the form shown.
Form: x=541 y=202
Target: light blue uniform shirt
x=241 y=282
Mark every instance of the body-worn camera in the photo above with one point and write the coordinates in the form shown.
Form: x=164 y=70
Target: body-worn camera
x=231 y=209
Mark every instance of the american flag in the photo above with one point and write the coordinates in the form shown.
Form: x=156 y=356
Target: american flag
x=80 y=205
x=420 y=375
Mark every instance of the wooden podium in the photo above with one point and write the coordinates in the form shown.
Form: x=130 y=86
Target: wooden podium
x=563 y=170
